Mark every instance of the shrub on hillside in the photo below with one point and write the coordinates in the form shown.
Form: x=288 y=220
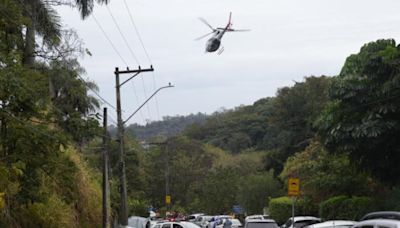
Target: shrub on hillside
x=344 y=207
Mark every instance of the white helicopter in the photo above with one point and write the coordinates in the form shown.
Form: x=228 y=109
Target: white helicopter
x=214 y=43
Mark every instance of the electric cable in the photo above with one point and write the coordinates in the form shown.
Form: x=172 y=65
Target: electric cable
x=109 y=40
x=122 y=35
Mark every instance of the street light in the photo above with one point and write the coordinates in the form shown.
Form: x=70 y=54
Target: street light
x=164 y=87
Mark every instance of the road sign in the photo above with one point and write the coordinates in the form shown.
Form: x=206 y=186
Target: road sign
x=237 y=209
x=294 y=187
x=168 y=199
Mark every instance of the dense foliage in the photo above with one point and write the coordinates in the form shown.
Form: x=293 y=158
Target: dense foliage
x=363 y=117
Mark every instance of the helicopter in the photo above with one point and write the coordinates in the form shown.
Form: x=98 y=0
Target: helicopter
x=214 y=43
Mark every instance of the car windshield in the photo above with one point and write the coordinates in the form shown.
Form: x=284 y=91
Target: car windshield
x=304 y=223
x=261 y=225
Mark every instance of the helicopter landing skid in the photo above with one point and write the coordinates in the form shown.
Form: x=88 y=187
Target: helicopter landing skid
x=220 y=50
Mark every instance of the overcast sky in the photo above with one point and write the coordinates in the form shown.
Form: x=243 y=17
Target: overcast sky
x=290 y=39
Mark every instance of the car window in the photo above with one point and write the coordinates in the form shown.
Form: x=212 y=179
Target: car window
x=166 y=226
x=176 y=226
x=380 y=226
x=369 y=226
x=288 y=223
x=157 y=226
x=304 y=223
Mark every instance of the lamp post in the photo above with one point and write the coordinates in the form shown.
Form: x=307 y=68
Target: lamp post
x=123 y=213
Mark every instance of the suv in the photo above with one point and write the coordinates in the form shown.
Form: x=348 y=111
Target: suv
x=261 y=223
x=300 y=221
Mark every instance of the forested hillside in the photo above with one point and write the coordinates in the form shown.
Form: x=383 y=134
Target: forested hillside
x=337 y=134
x=168 y=127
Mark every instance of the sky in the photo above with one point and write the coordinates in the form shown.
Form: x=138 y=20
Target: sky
x=289 y=40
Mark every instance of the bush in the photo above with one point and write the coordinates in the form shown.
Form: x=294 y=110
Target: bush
x=332 y=207
x=344 y=207
x=357 y=207
x=280 y=209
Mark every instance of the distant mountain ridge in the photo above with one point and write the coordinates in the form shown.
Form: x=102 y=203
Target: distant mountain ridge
x=169 y=126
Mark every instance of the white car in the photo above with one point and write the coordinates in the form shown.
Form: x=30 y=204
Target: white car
x=378 y=223
x=176 y=225
x=203 y=220
x=301 y=221
x=261 y=223
x=260 y=217
x=193 y=217
x=333 y=224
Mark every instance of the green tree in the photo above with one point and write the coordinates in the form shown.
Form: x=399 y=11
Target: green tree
x=255 y=190
x=324 y=175
x=295 y=110
x=363 y=118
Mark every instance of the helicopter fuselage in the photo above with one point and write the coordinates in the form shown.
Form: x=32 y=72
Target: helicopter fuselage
x=214 y=42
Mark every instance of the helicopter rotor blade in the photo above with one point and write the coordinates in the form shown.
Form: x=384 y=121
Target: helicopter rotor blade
x=238 y=30
x=201 y=37
x=206 y=23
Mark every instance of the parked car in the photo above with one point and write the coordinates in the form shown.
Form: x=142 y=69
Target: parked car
x=193 y=217
x=378 y=223
x=235 y=223
x=395 y=215
x=203 y=220
x=300 y=221
x=333 y=224
x=256 y=217
x=176 y=225
x=261 y=223
x=217 y=219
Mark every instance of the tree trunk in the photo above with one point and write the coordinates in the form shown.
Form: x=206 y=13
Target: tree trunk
x=29 y=49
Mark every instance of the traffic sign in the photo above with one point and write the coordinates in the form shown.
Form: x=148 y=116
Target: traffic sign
x=294 y=187
x=168 y=199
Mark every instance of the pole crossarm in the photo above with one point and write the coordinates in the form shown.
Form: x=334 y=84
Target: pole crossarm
x=135 y=72
x=164 y=87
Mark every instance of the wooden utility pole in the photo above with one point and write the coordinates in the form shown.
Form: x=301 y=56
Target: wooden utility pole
x=123 y=212
x=105 y=171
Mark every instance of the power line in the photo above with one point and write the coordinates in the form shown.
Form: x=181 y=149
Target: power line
x=155 y=98
x=97 y=94
x=147 y=55
x=109 y=40
x=137 y=32
x=132 y=53
x=148 y=58
x=137 y=100
x=122 y=35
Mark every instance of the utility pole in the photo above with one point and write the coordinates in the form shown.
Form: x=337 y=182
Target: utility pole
x=105 y=171
x=123 y=212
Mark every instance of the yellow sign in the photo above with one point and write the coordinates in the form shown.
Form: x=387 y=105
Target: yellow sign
x=294 y=187
x=168 y=199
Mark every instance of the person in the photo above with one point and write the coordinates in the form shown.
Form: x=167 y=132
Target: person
x=227 y=223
